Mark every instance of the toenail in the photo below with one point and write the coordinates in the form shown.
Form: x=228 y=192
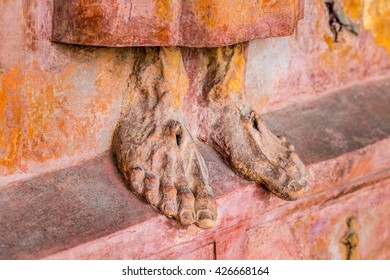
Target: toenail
x=205 y=219
x=295 y=190
x=187 y=217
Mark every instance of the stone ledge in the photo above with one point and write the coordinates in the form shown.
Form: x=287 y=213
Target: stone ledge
x=87 y=212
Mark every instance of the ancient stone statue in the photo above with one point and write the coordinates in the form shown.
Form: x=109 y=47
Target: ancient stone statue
x=152 y=144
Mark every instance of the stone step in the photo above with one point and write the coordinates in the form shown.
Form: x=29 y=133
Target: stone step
x=86 y=211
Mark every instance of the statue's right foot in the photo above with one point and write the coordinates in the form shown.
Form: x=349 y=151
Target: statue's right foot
x=152 y=146
x=166 y=170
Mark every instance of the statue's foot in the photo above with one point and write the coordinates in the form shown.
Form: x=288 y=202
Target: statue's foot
x=236 y=132
x=161 y=164
x=255 y=153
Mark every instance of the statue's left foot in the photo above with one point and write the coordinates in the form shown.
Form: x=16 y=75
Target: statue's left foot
x=237 y=132
x=255 y=153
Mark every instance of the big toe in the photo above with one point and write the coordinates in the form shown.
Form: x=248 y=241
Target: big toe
x=206 y=211
x=293 y=189
x=205 y=219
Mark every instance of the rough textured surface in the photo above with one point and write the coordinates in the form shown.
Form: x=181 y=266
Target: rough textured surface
x=87 y=212
x=192 y=23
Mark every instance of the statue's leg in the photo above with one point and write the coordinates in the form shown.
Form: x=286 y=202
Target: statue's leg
x=235 y=131
x=152 y=146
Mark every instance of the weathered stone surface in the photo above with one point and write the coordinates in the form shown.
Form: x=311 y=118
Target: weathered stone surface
x=87 y=212
x=192 y=23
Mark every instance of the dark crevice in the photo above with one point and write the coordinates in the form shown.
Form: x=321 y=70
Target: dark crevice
x=255 y=124
x=179 y=137
x=338 y=21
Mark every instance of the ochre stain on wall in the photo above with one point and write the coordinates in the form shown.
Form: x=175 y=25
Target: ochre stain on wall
x=376 y=19
x=47 y=117
x=68 y=107
x=340 y=55
x=374 y=16
x=353 y=9
x=11 y=102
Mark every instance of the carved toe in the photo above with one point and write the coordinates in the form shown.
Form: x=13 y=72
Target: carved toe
x=168 y=205
x=293 y=190
x=137 y=180
x=152 y=190
x=186 y=201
